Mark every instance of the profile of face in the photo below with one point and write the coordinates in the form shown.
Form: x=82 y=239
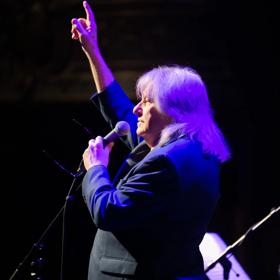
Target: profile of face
x=150 y=121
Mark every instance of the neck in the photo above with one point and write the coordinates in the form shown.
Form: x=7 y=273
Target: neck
x=152 y=142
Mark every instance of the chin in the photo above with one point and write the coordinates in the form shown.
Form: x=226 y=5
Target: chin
x=139 y=132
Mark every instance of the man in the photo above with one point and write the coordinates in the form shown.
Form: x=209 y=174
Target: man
x=153 y=216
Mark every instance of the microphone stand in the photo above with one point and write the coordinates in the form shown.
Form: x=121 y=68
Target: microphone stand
x=222 y=259
x=39 y=243
x=36 y=245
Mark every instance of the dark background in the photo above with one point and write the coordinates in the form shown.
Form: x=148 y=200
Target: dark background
x=46 y=82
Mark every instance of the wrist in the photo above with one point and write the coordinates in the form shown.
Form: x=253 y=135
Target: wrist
x=96 y=164
x=93 y=54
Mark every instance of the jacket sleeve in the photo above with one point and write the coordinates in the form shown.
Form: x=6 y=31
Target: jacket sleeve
x=115 y=106
x=136 y=200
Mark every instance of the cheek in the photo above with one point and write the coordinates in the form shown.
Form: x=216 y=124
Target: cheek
x=149 y=120
x=158 y=122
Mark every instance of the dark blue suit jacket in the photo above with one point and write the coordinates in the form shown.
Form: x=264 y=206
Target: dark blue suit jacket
x=151 y=222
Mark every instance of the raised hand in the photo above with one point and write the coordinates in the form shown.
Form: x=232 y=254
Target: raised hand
x=85 y=30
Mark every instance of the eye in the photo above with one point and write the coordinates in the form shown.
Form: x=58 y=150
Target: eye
x=145 y=100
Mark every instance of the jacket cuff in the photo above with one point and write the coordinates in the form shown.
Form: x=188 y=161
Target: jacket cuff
x=113 y=87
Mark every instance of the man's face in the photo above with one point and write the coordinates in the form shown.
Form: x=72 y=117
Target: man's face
x=150 y=121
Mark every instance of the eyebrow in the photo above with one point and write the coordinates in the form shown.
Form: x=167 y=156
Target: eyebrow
x=147 y=98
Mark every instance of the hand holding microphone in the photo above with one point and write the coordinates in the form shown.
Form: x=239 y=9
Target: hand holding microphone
x=96 y=153
x=99 y=148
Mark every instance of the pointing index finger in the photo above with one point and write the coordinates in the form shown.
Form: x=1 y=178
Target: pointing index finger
x=89 y=13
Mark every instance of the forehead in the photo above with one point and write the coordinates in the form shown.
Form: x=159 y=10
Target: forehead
x=145 y=87
x=145 y=93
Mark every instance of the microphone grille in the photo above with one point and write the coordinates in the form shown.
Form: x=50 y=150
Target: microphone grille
x=122 y=128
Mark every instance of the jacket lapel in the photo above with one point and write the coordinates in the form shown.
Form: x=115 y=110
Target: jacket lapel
x=135 y=156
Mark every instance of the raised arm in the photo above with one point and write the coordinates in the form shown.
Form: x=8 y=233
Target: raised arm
x=112 y=101
x=85 y=30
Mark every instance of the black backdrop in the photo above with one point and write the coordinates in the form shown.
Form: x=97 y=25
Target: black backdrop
x=246 y=102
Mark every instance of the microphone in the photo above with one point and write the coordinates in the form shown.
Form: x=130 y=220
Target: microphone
x=122 y=128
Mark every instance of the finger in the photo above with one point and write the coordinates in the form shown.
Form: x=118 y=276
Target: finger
x=92 y=146
x=74 y=31
x=91 y=142
x=83 y=23
x=89 y=13
x=85 y=153
x=75 y=34
x=78 y=26
x=99 y=142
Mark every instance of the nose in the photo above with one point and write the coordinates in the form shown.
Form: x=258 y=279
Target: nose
x=137 y=110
